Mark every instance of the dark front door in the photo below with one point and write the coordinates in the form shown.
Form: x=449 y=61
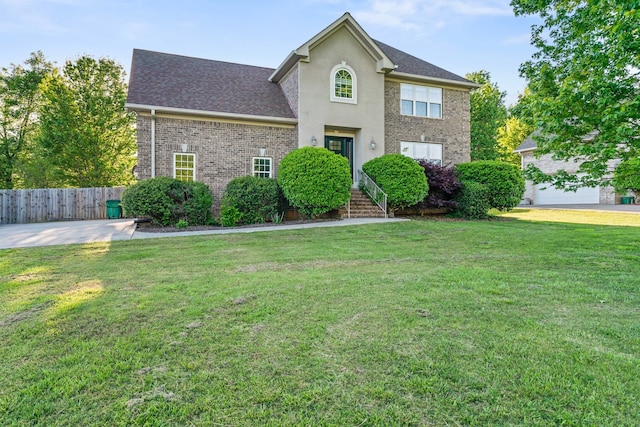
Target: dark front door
x=342 y=145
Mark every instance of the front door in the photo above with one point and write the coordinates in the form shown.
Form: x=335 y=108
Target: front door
x=342 y=145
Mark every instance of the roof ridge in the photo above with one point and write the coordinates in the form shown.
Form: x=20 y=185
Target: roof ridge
x=197 y=58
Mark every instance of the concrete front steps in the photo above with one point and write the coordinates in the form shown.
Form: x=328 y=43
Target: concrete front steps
x=360 y=207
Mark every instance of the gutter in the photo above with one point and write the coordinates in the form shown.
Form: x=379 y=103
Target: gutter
x=213 y=114
x=416 y=77
x=153 y=143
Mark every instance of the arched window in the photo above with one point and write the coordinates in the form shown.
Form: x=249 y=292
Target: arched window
x=343 y=84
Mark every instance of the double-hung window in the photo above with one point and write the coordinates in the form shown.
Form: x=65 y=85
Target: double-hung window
x=422 y=151
x=421 y=101
x=184 y=166
x=262 y=167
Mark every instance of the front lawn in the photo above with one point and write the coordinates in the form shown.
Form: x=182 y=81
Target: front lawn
x=502 y=322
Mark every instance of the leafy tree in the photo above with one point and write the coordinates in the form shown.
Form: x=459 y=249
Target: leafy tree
x=627 y=176
x=19 y=101
x=509 y=136
x=584 y=82
x=86 y=133
x=488 y=114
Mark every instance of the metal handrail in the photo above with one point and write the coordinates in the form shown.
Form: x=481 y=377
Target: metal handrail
x=374 y=192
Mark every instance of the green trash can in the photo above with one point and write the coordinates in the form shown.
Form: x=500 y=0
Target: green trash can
x=626 y=200
x=114 y=210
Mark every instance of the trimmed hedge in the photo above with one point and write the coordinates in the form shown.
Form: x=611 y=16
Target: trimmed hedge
x=401 y=177
x=315 y=180
x=257 y=199
x=167 y=200
x=472 y=201
x=504 y=181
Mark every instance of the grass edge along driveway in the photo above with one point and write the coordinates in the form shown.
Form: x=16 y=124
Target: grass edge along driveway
x=502 y=322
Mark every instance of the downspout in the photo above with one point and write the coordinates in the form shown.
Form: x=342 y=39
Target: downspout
x=153 y=143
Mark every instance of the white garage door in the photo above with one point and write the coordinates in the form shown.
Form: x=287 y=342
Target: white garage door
x=553 y=196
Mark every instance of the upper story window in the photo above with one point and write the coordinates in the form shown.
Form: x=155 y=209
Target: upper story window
x=422 y=101
x=343 y=84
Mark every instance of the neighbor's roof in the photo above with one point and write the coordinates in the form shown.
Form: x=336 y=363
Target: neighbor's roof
x=528 y=144
x=185 y=83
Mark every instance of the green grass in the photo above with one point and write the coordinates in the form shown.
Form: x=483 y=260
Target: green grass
x=502 y=322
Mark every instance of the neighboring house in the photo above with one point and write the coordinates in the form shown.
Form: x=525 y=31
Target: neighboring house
x=211 y=121
x=547 y=194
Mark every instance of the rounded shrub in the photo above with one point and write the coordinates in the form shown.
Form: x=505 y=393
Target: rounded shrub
x=401 y=177
x=257 y=199
x=315 y=180
x=504 y=181
x=167 y=200
x=472 y=201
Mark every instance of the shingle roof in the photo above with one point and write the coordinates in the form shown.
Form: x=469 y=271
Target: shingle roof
x=165 y=80
x=529 y=143
x=411 y=65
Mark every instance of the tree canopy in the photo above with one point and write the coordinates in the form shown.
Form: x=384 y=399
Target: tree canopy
x=86 y=133
x=19 y=102
x=584 y=82
x=488 y=114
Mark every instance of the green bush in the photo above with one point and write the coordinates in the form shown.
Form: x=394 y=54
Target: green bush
x=472 y=201
x=167 y=200
x=504 y=181
x=315 y=180
x=258 y=199
x=197 y=206
x=230 y=215
x=401 y=177
x=627 y=176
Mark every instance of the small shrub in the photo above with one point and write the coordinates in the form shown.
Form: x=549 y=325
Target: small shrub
x=504 y=181
x=167 y=200
x=197 y=207
x=230 y=215
x=256 y=198
x=182 y=224
x=401 y=177
x=277 y=218
x=627 y=176
x=473 y=201
x=443 y=185
x=315 y=180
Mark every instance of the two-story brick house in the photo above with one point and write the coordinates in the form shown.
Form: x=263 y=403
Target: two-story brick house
x=212 y=121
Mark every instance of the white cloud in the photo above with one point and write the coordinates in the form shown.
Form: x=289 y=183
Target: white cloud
x=412 y=14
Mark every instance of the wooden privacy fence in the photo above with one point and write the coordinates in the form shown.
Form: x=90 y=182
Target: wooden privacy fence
x=55 y=204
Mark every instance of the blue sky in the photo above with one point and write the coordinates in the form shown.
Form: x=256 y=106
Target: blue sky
x=459 y=35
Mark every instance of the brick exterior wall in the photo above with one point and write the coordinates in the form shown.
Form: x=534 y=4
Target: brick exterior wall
x=289 y=85
x=549 y=166
x=452 y=131
x=223 y=150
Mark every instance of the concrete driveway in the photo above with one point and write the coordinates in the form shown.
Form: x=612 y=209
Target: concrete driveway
x=62 y=233
x=604 y=208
